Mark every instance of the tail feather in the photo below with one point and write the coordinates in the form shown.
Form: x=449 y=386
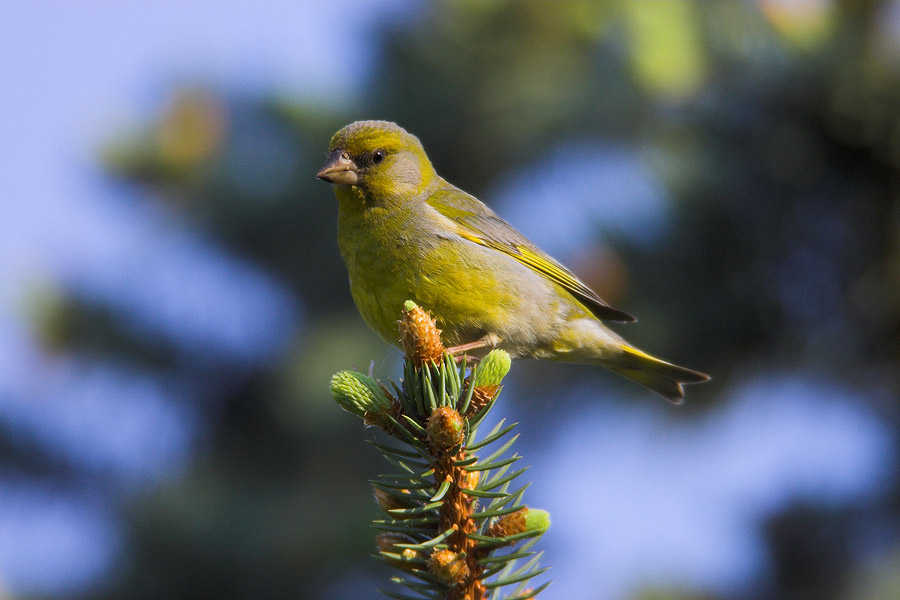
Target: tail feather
x=662 y=377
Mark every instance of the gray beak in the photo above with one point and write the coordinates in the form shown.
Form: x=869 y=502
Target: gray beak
x=339 y=169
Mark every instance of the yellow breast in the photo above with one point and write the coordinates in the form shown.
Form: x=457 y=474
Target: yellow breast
x=392 y=256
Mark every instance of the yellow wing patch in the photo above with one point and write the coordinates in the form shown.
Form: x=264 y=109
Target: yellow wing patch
x=553 y=271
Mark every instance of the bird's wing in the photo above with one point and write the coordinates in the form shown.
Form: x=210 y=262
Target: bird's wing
x=479 y=224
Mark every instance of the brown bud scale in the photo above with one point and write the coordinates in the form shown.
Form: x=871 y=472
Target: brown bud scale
x=448 y=566
x=420 y=337
x=511 y=524
x=480 y=397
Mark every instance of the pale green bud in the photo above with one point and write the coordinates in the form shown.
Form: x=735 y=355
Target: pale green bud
x=521 y=521
x=537 y=520
x=493 y=368
x=358 y=394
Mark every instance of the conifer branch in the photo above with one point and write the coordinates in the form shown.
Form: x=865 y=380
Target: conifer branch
x=452 y=524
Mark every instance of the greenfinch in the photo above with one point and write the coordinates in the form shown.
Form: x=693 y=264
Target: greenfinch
x=407 y=234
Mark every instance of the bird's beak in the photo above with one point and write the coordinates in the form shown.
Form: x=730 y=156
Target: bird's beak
x=339 y=169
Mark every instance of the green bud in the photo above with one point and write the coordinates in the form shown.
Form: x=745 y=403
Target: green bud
x=493 y=368
x=537 y=520
x=358 y=394
x=409 y=305
x=521 y=521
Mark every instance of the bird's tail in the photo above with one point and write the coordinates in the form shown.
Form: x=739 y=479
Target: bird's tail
x=660 y=376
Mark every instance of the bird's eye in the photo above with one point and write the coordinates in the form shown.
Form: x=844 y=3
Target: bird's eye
x=377 y=157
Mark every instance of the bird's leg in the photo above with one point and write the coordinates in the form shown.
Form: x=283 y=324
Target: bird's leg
x=482 y=343
x=491 y=340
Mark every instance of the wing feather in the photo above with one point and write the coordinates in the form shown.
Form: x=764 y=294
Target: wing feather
x=479 y=224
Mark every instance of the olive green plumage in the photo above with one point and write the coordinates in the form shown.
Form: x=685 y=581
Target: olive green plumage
x=407 y=234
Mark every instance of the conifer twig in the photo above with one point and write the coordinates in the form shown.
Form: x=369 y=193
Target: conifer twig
x=451 y=523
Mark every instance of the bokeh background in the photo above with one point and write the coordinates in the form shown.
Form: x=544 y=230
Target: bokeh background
x=172 y=301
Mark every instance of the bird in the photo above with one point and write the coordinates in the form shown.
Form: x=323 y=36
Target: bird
x=405 y=233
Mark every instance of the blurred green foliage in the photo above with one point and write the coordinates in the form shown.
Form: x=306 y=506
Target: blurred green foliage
x=776 y=132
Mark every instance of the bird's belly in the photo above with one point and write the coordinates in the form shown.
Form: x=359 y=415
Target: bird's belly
x=379 y=288
x=463 y=286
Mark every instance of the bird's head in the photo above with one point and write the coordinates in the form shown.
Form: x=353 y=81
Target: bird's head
x=378 y=156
